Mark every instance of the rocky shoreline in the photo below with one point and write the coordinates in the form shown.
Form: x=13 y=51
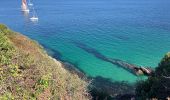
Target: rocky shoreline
x=101 y=87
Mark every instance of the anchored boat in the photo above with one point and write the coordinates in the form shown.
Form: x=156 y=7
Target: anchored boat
x=24 y=6
x=34 y=17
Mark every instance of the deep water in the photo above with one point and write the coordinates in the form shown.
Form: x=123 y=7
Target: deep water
x=87 y=32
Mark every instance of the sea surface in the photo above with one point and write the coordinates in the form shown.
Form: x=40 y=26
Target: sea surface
x=87 y=32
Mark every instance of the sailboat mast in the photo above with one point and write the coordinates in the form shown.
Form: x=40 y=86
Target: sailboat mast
x=24 y=1
x=24 y=5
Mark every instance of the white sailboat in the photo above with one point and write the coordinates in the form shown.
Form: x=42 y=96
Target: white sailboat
x=34 y=18
x=24 y=6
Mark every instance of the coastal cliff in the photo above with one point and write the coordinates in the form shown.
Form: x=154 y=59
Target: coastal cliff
x=28 y=73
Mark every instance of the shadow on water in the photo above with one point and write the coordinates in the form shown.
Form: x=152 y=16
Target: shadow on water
x=72 y=67
x=105 y=89
x=127 y=66
x=53 y=52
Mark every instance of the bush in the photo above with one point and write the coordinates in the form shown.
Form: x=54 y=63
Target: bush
x=158 y=85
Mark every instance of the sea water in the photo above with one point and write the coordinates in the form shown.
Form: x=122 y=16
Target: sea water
x=83 y=32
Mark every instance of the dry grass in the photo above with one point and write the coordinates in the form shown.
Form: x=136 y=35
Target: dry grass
x=31 y=74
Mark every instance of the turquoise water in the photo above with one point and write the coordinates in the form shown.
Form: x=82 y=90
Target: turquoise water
x=137 y=32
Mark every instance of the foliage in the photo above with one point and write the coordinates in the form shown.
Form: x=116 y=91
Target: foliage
x=6 y=49
x=7 y=96
x=28 y=73
x=158 y=85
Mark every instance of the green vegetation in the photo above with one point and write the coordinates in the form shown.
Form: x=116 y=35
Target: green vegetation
x=28 y=73
x=158 y=85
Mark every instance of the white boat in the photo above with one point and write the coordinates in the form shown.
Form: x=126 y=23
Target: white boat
x=34 y=17
x=24 y=6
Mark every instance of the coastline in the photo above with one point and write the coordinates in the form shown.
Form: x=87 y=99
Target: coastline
x=68 y=66
x=34 y=60
x=99 y=87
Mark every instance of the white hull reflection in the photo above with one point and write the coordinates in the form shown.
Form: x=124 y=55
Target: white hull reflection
x=34 y=19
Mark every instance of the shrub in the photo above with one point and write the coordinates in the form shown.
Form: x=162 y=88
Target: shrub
x=158 y=85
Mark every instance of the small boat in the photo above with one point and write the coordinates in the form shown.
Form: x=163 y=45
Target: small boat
x=24 y=6
x=34 y=17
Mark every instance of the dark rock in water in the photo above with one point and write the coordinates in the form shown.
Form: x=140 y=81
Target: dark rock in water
x=147 y=71
x=134 y=69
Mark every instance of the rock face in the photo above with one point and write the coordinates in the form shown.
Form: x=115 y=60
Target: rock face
x=27 y=72
x=144 y=71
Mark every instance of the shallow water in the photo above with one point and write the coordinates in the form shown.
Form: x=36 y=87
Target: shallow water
x=133 y=31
